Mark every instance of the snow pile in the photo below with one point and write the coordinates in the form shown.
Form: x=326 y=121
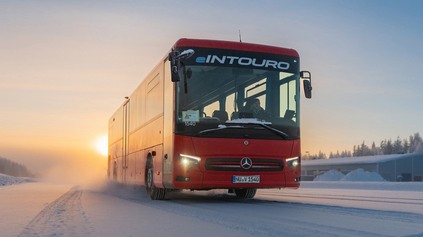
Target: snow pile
x=362 y=175
x=359 y=175
x=9 y=180
x=331 y=175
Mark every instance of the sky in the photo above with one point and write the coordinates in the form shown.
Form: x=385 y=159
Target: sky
x=65 y=66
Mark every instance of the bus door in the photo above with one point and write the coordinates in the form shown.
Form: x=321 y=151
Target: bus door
x=125 y=141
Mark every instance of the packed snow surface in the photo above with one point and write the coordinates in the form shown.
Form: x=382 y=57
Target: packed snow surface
x=316 y=209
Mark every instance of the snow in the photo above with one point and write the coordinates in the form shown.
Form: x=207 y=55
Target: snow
x=358 y=175
x=9 y=180
x=361 y=175
x=323 y=208
x=22 y=202
x=331 y=175
x=248 y=121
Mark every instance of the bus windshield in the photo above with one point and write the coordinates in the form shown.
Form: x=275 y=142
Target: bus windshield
x=237 y=102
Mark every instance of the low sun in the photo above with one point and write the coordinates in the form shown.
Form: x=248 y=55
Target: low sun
x=101 y=144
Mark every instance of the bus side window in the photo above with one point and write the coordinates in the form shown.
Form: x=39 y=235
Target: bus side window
x=208 y=109
x=257 y=90
x=230 y=104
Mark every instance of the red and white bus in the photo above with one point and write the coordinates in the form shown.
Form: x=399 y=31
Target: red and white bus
x=212 y=115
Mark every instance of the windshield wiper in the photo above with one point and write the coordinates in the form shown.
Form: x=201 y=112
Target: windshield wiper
x=263 y=124
x=252 y=122
x=220 y=127
x=274 y=130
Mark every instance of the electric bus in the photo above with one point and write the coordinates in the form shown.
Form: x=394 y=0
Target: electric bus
x=212 y=115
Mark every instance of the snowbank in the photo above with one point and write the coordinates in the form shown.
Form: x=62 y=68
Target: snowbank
x=331 y=175
x=358 y=175
x=362 y=175
x=9 y=180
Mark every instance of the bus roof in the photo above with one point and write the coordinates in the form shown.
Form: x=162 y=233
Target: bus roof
x=220 y=44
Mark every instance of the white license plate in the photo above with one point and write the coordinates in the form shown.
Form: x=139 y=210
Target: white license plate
x=253 y=179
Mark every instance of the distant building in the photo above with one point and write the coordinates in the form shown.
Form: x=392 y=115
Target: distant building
x=403 y=167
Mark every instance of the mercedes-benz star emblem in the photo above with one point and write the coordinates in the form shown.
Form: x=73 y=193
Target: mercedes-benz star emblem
x=246 y=163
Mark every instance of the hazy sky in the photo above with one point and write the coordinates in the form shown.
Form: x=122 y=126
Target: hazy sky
x=65 y=66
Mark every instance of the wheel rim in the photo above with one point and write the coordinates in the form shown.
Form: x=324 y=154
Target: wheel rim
x=150 y=178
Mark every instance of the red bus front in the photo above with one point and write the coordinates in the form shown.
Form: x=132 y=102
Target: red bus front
x=236 y=117
x=235 y=163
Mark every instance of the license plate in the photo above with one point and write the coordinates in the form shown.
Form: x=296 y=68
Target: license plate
x=254 y=179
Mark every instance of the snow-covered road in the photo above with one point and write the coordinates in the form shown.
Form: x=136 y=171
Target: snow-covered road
x=40 y=209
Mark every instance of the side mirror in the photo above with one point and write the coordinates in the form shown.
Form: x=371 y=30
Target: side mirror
x=307 y=88
x=188 y=73
x=306 y=75
x=175 y=74
x=174 y=69
x=175 y=62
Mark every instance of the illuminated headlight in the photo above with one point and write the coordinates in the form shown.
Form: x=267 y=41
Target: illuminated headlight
x=188 y=160
x=293 y=162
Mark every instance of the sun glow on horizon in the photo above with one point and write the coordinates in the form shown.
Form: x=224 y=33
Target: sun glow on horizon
x=101 y=145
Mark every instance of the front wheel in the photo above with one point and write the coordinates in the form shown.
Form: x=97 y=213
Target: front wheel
x=154 y=192
x=245 y=193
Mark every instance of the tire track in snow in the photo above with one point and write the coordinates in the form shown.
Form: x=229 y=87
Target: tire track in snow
x=392 y=200
x=63 y=217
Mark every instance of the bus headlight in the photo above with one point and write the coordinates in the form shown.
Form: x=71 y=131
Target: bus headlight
x=293 y=162
x=188 y=160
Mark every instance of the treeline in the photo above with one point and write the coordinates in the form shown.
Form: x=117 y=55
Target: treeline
x=414 y=143
x=13 y=169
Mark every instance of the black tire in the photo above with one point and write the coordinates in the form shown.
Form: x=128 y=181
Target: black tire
x=154 y=192
x=245 y=193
